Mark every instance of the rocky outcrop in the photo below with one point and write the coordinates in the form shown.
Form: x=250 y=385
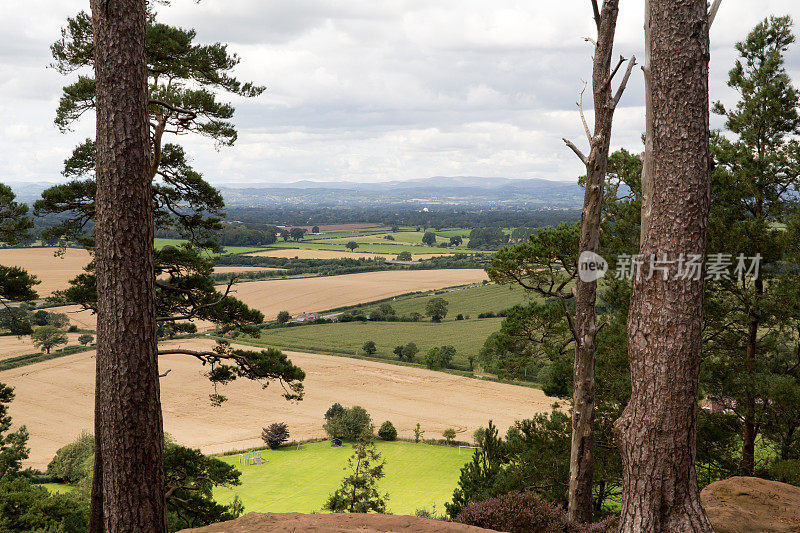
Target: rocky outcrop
x=750 y=505
x=334 y=523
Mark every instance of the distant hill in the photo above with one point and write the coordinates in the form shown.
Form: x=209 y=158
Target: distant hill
x=435 y=191
x=440 y=190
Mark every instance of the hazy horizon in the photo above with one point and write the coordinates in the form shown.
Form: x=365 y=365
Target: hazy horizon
x=365 y=92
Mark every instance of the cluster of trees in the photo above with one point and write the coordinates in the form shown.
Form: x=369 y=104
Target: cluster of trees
x=487 y=238
x=747 y=328
x=436 y=217
x=406 y=352
x=126 y=63
x=440 y=357
x=21 y=319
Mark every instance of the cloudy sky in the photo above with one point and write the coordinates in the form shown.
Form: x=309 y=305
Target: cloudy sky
x=371 y=90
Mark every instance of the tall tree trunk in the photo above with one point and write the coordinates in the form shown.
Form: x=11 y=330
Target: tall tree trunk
x=747 y=466
x=581 y=467
x=129 y=477
x=657 y=431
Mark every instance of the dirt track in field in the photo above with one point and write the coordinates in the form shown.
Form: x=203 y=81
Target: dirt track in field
x=54 y=399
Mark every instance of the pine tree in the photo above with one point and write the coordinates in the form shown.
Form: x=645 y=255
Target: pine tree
x=751 y=318
x=358 y=492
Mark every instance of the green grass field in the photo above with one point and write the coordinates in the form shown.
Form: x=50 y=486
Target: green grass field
x=370 y=241
x=417 y=476
x=467 y=336
x=471 y=300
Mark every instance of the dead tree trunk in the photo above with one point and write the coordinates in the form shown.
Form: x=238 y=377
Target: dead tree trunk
x=128 y=485
x=605 y=102
x=657 y=431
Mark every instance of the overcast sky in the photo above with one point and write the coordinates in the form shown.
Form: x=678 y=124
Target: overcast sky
x=372 y=90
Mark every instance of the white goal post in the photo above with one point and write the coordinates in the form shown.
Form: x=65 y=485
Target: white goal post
x=469 y=447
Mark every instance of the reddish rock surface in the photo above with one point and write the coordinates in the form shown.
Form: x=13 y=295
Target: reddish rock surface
x=334 y=523
x=750 y=505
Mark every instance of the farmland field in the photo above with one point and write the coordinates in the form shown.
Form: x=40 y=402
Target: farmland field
x=384 y=247
x=417 y=476
x=318 y=294
x=13 y=346
x=466 y=336
x=304 y=253
x=53 y=272
x=55 y=400
x=471 y=300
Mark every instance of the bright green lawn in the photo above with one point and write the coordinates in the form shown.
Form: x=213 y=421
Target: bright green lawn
x=467 y=336
x=417 y=476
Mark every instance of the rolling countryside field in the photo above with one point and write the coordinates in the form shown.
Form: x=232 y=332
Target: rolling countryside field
x=318 y=294
x=466 y=336
x=63 y=389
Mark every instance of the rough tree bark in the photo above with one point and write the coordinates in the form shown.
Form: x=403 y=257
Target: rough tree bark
x=128 y=485
x=585 y=330
x=657 y=431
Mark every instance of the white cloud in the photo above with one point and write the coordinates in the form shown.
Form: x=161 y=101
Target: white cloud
x=366 y=90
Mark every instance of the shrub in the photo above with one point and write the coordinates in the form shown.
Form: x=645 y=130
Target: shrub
x=479 y=436
x=370 y=348
x=404 y=256
x=459 y=317
x=436 y=308
x=72 y=329
x=449 y=434
x=283 y=317
x=418 y=433
x=334 y=410
x=275 y=434
x=85 y=339
x=350 y=424
x=787 y=471
x=515 y=512
x=440 y=357
x=407 y=352
x=387 y=431
x=69 y=463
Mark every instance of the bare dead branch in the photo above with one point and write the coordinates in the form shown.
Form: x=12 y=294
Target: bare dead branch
x=596 y=10
x=590 y=40
x=607 y=83
x=165 y=373
x=583 y=116
x=577 y=151
x=624 y=84
x=712 y=13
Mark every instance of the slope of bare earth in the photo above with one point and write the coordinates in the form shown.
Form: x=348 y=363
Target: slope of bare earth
x=334 y=523
x=54 y=399
x=54 y=272
x=749 y=504
x=318 y=294
x=12 y=346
